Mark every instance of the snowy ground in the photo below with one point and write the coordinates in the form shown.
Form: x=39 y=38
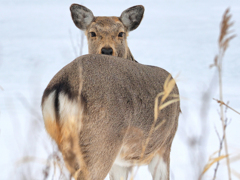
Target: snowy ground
x=179 y=36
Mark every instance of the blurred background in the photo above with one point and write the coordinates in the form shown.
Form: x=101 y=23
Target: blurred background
x=38 y=38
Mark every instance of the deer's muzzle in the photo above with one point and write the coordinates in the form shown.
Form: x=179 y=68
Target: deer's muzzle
x=107 y=51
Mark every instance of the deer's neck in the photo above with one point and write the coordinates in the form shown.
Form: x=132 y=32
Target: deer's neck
x=130 y=56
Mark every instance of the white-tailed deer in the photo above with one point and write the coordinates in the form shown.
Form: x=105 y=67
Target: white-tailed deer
x=100 y=110
x=107 y=35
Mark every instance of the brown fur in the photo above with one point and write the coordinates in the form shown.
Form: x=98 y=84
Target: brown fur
x=107 y=29
x=102 y=107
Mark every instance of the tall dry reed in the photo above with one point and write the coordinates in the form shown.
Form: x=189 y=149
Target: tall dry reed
x=223 y=43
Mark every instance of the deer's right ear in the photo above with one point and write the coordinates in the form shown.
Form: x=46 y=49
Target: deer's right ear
x=132 y=17
x=82 y=16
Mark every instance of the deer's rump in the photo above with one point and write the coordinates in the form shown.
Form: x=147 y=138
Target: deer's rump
x=117 y=97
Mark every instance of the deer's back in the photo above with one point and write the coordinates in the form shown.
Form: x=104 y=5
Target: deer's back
x=118 y=97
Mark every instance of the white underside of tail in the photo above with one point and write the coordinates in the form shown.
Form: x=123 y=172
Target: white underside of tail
x=69 y=110
x=66 y=127
x=48 y=108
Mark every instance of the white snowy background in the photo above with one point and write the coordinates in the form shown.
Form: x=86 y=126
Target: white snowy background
x=38 y=37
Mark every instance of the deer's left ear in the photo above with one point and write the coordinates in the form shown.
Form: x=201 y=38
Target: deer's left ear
x=82 y=16
x=132 y=17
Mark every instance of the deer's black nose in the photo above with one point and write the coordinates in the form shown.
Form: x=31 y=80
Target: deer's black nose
x=107 y=51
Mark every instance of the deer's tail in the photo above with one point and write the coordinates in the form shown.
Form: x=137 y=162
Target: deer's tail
x=63 y=114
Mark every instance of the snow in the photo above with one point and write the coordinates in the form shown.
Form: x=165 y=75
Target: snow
x=179 y=36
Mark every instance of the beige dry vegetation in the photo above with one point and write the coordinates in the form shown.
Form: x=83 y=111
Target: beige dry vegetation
x=223 y=43
x=168 y=86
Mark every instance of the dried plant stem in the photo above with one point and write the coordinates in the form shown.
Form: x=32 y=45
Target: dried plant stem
x=79 y=44
x=223 y=44
x=72 y=43
x=222 y=103
x=219 y=153
x=168 y=86
x=222 y=114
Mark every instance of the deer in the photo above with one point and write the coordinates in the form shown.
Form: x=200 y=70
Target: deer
x=100 y=108
x=107 y=35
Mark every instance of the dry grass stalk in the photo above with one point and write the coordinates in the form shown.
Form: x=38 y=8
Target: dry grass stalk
x=53 y=162
x=236 y=174
x=79 y=46
x=223 y=44
x=222 y=103
x=212 y=161
x=219 y=151
x=53 y=159
x=167 y=89
x=168 y=86
x=235 y=158
x=216 y=160
x=28 y=159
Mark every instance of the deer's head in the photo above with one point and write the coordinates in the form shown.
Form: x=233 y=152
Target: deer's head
x=107 y=35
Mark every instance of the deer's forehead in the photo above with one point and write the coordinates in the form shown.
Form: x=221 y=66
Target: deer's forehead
x=107 y=23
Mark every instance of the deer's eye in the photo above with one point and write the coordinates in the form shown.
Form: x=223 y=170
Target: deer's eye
x=120 y=34
x=93 y=34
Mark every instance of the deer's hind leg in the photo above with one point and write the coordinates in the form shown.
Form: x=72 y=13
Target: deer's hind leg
x=100 y=142
x=119 y=172
x=160 y=164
